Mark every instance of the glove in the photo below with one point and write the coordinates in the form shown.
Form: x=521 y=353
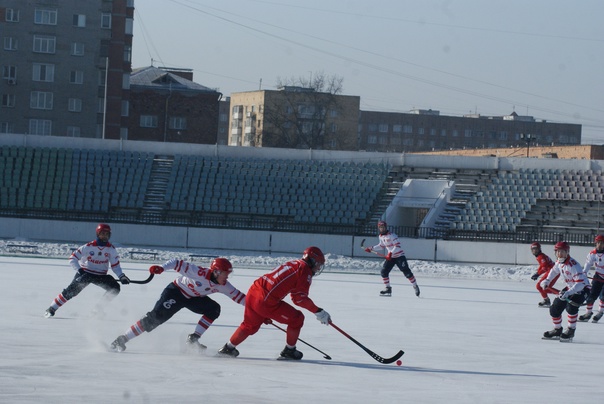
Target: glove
x=323 y=317
x=389 y=256
x=563 y=295
x=124 y=279
x=267 y=321
x=535 y=276
x=544 y=284
x=367 y=249
x=156 y=269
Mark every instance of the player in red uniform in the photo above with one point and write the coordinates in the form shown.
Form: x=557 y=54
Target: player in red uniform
x=545 y=264
x=264 y=302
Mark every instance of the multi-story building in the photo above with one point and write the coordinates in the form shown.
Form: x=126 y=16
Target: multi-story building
x=65 y=67
x=425 y=130
x=167 y=106
x=294 y=117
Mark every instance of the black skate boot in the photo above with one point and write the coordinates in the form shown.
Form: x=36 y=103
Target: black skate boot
x=193 y=343
x=545 y=303
x=386 y=292
x=567 y=335
x=290 y=353
x=119 y=345
x=226 y=350
x=585 y=317
x=553 y=334
x=597 y=317
x=49 y=312
x=416 y=289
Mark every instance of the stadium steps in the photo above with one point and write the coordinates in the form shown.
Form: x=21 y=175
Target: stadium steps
x=154 y=203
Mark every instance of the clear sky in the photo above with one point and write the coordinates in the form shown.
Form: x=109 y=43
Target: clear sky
x=543 y=58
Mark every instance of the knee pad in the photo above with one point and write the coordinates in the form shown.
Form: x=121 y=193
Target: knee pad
x=150 y=321
x=297 y=321
x=213 y=311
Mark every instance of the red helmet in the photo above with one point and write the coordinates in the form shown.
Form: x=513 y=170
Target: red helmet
x=382 y=223
x=103 y=227
x=221 y=264
x=536 y=245
x=315 y=258
x=562 y=245
x=600 y=238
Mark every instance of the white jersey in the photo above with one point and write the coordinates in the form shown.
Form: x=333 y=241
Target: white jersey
x=572 y=273
x=390 y=243
x=96 y=259
x=595 y=260
x=195 y=281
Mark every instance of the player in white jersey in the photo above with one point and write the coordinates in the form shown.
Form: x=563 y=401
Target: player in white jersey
x=190 y=290
x=395 y=256
x=571 y=297
x=91 y=263
x=595 y=259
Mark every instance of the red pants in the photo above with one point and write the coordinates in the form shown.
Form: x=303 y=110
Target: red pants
x=550 y=290
x=257 y=310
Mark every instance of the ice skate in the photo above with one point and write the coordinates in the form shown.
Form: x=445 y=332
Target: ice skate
x=386 y=292
x=228 y=351
x=585 y=317
x=597 y=317
x=567 y=335
x=50 y=312
x=416 y=289
x=119 y=345
x=290 y=353
x=545 y=303
x=553 y=334
x=194 y=344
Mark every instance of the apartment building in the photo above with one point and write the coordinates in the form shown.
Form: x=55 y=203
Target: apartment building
x=425 y=130
x=65 y=67
x=294 y=117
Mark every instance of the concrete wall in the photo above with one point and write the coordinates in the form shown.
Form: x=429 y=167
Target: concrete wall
x=263 y=242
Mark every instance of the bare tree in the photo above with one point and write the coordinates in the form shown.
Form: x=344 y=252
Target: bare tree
x=300 y=116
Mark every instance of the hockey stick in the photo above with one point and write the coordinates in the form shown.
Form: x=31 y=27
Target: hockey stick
x=371 y=353
x=375 y=252
x=141 y=282
x=304 y=342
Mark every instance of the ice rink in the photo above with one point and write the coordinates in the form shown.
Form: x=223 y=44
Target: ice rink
x=465 y=341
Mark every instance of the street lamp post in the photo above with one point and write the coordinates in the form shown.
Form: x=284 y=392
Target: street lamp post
x=528 y=138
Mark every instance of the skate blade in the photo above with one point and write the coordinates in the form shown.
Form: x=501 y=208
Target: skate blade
x=385 y=295
x=566 y=340
x=283 y=358
x=551 y=338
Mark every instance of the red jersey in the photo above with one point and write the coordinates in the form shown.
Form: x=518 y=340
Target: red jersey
x=545 y=263
x=294 y=278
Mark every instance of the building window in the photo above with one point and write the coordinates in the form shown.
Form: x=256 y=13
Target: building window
x=74 y=105
x=126 y=81
x=79 y=20
x=397 y=128
x=43 y=72
x=7 y=127
x=9 y=73
x=432 y=132
x=125 y=108
x=127 y=53
x=76 y=77
x=455 y=133
x=371 y=139
x=11 y=15
x=8 y=100
x=74 y=131
x=383 y=128
x=372 y=127
x=129 y=26
x=334 y=128
x=106 y=20
x=383 y=140
x=177 y=122
x=407 y=129
x=333 y=113
x=77 y=49
x=443 y=132
x=467 y=133
x=40 y=127
x=45 y=44
x=421 y=131
x=10 y=43
x=148 y=121
x=40 y=100
x=45 y=16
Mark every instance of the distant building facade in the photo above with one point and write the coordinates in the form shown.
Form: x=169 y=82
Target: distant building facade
x=65 y=67
x=167 y=106
x=294 y=117
x=425 y=130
